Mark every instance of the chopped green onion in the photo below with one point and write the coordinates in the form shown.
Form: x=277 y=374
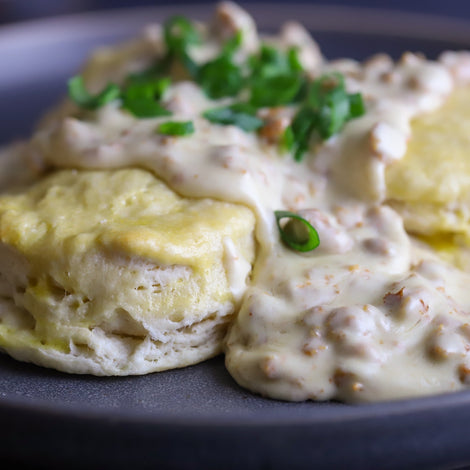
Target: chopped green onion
x=293 y=59
x=179 y=33
x=79 y=94
x=191 y=66
x=142 y=95
x=297 y=233
x=287 y=141
x=233 y=44
x=146 y=88
x=275 y=90
x=356 y=105
x=240 y=114
x=323 y=86
x=145 y=108
x=270 y=78
x=276 y=77
x=268 y=62
x=333 y=114
x=302 y=127
x=176 y=128
x=329 y=99
x=328 y=108
x=220 y=77
x=271 y=61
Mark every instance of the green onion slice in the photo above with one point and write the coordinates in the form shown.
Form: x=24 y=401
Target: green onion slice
x=145 y=87
x=294 y=60
x=145 y=108
x=80 y=95
x=142 y=94
x=277 y=77
x=233 y=44
x=327 y=109
x=356 y=105
x=271 y=61
x=302 y=127
x=220 y=77
x=298 y=234
x=176 y=128
x=240 y=114
x=287 y=141
x=275 y=90
x=333 y=114
x=179 y=33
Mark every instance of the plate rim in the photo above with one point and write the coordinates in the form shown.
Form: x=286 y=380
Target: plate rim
x=325 y=412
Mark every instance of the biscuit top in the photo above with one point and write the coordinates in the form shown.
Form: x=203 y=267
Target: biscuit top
x=129 y=211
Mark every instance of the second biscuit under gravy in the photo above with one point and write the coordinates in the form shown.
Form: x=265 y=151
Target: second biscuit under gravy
x=112 y=273
x=430 y=186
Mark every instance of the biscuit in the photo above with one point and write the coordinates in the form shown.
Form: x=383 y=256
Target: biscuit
x=430 y=186
x=112 y=273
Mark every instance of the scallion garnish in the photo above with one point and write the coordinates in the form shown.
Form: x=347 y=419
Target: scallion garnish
x=144 y=108
x=233 y=44
x=334 y=106
x=301 y=130
x=298 y=234
x=178 y=128
x=326 y=111
x=179 y=33
x=146 y=87
x=220 y=77
x=276 y=90
x=80 y=95
x=276 y=77
x=356 y=105
x=271 y=61
x=142 y=95
x=293 y=59
x=287 y=141
x=272 y=77
x=240 y=114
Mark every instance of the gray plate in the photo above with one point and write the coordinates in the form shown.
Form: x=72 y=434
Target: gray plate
x=198 y=417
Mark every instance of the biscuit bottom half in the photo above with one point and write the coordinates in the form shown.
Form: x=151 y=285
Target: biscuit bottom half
x=112 y=273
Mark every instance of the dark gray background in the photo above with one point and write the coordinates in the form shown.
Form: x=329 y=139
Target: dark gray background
x=16 y=10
